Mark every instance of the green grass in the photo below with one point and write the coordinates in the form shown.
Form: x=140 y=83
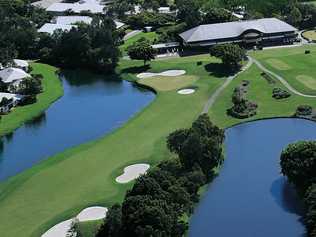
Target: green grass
x=61 y=186
x=293 y=62
x=89 y=228
x=150 y=36
x=259 y=91
x=52 y=90
x=163 y=83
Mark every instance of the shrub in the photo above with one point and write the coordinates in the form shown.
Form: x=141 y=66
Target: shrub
x=307 y=51
x=279 y=93
x=304 y=110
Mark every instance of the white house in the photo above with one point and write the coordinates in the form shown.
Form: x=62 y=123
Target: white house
x=164 y=10
x=11 y=75
x=22 y=64
x=92 y=6
x=71 y=20
x=50 y=28
x=13 y=100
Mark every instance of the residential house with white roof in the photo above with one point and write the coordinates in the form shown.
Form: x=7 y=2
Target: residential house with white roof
x=12 y=75
x=51 y=28
x=22 y=64
x=8 y=100
x=91 y=6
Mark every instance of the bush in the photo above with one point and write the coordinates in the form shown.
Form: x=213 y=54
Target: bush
x=307 y=51
x=304 y=110
x=279 y=93
x=269 y=79
x=31 y=99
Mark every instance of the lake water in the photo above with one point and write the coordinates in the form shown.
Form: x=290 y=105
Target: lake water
x=250 y=198
x=91 y=107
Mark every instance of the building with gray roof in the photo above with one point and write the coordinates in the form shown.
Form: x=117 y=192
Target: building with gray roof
x=261 y=31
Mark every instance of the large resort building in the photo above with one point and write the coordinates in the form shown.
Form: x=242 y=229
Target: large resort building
x=263 y=32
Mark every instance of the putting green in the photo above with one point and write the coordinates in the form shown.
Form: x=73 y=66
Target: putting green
x=278 y=64
x=162 y=83
x=308 y=81
x=311 y=34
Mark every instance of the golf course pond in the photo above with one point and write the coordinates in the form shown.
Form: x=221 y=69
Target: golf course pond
x=250 y=197
x=91 y=107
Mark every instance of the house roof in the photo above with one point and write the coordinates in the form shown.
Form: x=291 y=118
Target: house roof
x=88 y=5
x=44 y=3
x=10 y=96
x=12 y=74
x=235 y=29
x=71 y=20
x=20 y=63
x=50 y=28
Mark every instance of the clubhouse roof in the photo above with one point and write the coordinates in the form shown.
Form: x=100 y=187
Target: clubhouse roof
x=234 y=30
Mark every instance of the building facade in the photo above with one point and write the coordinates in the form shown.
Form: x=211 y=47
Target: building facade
x=261 y=32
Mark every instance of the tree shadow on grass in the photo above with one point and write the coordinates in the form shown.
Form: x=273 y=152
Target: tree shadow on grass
x=136 y=69
x=218 y=70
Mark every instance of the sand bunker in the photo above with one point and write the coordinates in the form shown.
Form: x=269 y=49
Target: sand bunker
x=92 y=213
x=59 y=230
x=132 y=172
x=186 y=91
x=87 y=214
x=169 y=73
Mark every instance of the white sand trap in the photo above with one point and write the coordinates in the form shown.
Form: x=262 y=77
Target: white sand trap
x=88 y=214
x=59 y=230
x=92 y=213
x=186 y=91
x=132 y=172
x=169 y=73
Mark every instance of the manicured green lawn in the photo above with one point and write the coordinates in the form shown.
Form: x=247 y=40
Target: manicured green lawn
x=292 y=64
x=150 y=36
x=89 y=228
x=162 y=83
x=61 y=186
x=52 y=91
x=259 y=91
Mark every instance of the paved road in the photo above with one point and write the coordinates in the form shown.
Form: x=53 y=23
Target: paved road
x=281 y=79
x=131 y=34
x=215 y=95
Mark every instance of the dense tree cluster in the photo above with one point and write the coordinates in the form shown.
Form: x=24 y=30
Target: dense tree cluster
x=152 y=19
x=242 y=107
x=298 y=163
x=18 y=33
x=141 y=50
x=87 y=46
x=157 y=201
x=231 y=55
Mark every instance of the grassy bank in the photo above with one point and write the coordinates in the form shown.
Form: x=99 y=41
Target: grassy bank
x=61 y=186
x=52 y=90
x=150 y=36
x=293 y=64
x=260 y=91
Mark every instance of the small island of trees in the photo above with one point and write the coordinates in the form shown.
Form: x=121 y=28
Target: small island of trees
x=298 y=163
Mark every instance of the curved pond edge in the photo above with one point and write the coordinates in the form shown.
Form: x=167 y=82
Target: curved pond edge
x=204 y=189
x=11 y=183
